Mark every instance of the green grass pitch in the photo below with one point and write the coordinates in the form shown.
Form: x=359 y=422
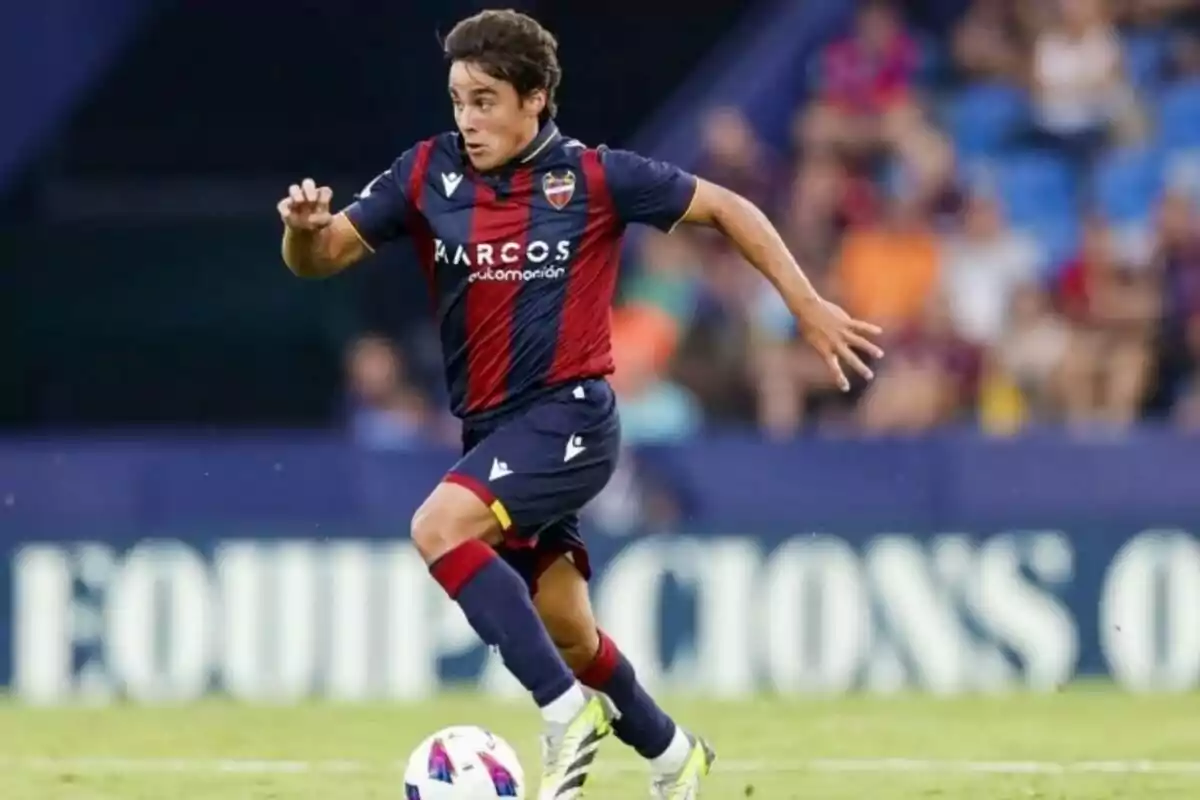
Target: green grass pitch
x=1089 y=743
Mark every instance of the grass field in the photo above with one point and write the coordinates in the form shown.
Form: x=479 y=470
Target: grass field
x=1084 y=744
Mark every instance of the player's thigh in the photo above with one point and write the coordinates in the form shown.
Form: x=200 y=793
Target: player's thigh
x=451 y=515
x=563 y=603
x=546 y=464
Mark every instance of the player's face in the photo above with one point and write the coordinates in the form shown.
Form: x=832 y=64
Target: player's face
x=496 y=123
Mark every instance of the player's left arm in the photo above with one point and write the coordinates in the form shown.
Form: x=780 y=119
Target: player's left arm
x=662 y=195
x=829 y=329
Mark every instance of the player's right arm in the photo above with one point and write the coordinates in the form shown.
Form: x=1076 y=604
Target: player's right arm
x=318 y=243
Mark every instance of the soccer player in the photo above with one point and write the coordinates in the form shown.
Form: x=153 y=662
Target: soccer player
x=518 y=229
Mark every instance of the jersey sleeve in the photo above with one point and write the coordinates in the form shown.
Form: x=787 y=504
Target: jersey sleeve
x=380 y=211
x=647 y=191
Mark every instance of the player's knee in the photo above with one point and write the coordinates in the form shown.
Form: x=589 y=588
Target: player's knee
x=427 y=531
x=449 y=517
x=436 y=530
x=580 y=655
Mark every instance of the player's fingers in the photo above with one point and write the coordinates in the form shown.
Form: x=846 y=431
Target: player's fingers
x=319 y=219
x=309 y=187
x=850 y=357
x=296 y=193
x=284 y=207
x=835 y=368
x=865 y=327
x=864 y=345
x=324 y=197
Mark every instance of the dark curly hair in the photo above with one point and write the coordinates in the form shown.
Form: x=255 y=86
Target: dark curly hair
x=512 y=47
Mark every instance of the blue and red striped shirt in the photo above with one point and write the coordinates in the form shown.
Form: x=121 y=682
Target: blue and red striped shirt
x=521 y=262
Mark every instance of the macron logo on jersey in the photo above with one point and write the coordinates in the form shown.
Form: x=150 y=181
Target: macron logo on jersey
x=450 y=182
x=506 y=261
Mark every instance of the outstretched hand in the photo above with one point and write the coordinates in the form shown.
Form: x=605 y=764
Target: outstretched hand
x=839 y=338
x=306 y=208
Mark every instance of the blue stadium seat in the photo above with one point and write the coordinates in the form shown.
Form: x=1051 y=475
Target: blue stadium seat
x=981 y=118
x=1181 y=172
x=1128 y=183
x=1037 y=192
x=1145 y=55
x=1034 y=184
x=1059 y=239
x=1179 y=115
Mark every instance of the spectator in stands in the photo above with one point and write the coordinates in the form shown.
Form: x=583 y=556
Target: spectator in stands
x=1155 y=12
x=1185 y=56
x=654 y=409
x=712 y=357
x=1025 y=364
x=777 y=370
x=1080 y=93
x=1177 y=262
x=929 y=378
x=923 y=172
x=982 y=269
x=1187 y=409
x=865 y=93
x=888 y=271
x=735 y=157
x=790 y=381
x=824 y=199
x=656 y=311
x=988 y=44
x=659 y=301
x=793 y=389
x=385 y=411
x=1113 y=308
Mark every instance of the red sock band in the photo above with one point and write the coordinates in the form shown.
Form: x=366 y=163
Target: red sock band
x=455 y=569
x=597 y=674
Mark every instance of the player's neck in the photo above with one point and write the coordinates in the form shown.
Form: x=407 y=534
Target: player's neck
x=526 y=142
x=525 y=147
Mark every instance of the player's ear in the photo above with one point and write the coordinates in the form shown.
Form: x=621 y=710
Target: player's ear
x=535 y=102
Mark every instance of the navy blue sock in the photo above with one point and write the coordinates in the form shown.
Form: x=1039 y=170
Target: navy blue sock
x=496 y=602
x=643 y=725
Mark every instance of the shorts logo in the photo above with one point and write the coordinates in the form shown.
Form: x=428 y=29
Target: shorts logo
x=574 y=447
x=499 y=470
x=559 y=189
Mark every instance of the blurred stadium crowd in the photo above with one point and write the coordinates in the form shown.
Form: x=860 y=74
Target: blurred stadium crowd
x=1015 y=202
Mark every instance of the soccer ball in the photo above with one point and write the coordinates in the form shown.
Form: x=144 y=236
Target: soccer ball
x=464 y=763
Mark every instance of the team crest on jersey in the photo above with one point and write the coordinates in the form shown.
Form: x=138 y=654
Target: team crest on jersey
x=558 y=188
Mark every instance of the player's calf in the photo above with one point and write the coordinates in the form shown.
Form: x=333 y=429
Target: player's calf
x=452 y=531
x=642 y=724
x=562 y=601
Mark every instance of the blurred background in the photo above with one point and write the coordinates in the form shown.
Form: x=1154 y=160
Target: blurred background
x=207 y=467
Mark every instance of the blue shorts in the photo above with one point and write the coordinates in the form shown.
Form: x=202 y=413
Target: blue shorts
x=536 y=469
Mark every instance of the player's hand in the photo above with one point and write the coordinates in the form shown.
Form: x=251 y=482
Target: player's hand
x=306 y=208
x=839 y=338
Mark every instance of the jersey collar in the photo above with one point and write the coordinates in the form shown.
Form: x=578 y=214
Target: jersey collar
x=546 y=137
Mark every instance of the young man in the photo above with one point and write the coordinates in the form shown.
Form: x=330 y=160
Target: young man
x=519 y=229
